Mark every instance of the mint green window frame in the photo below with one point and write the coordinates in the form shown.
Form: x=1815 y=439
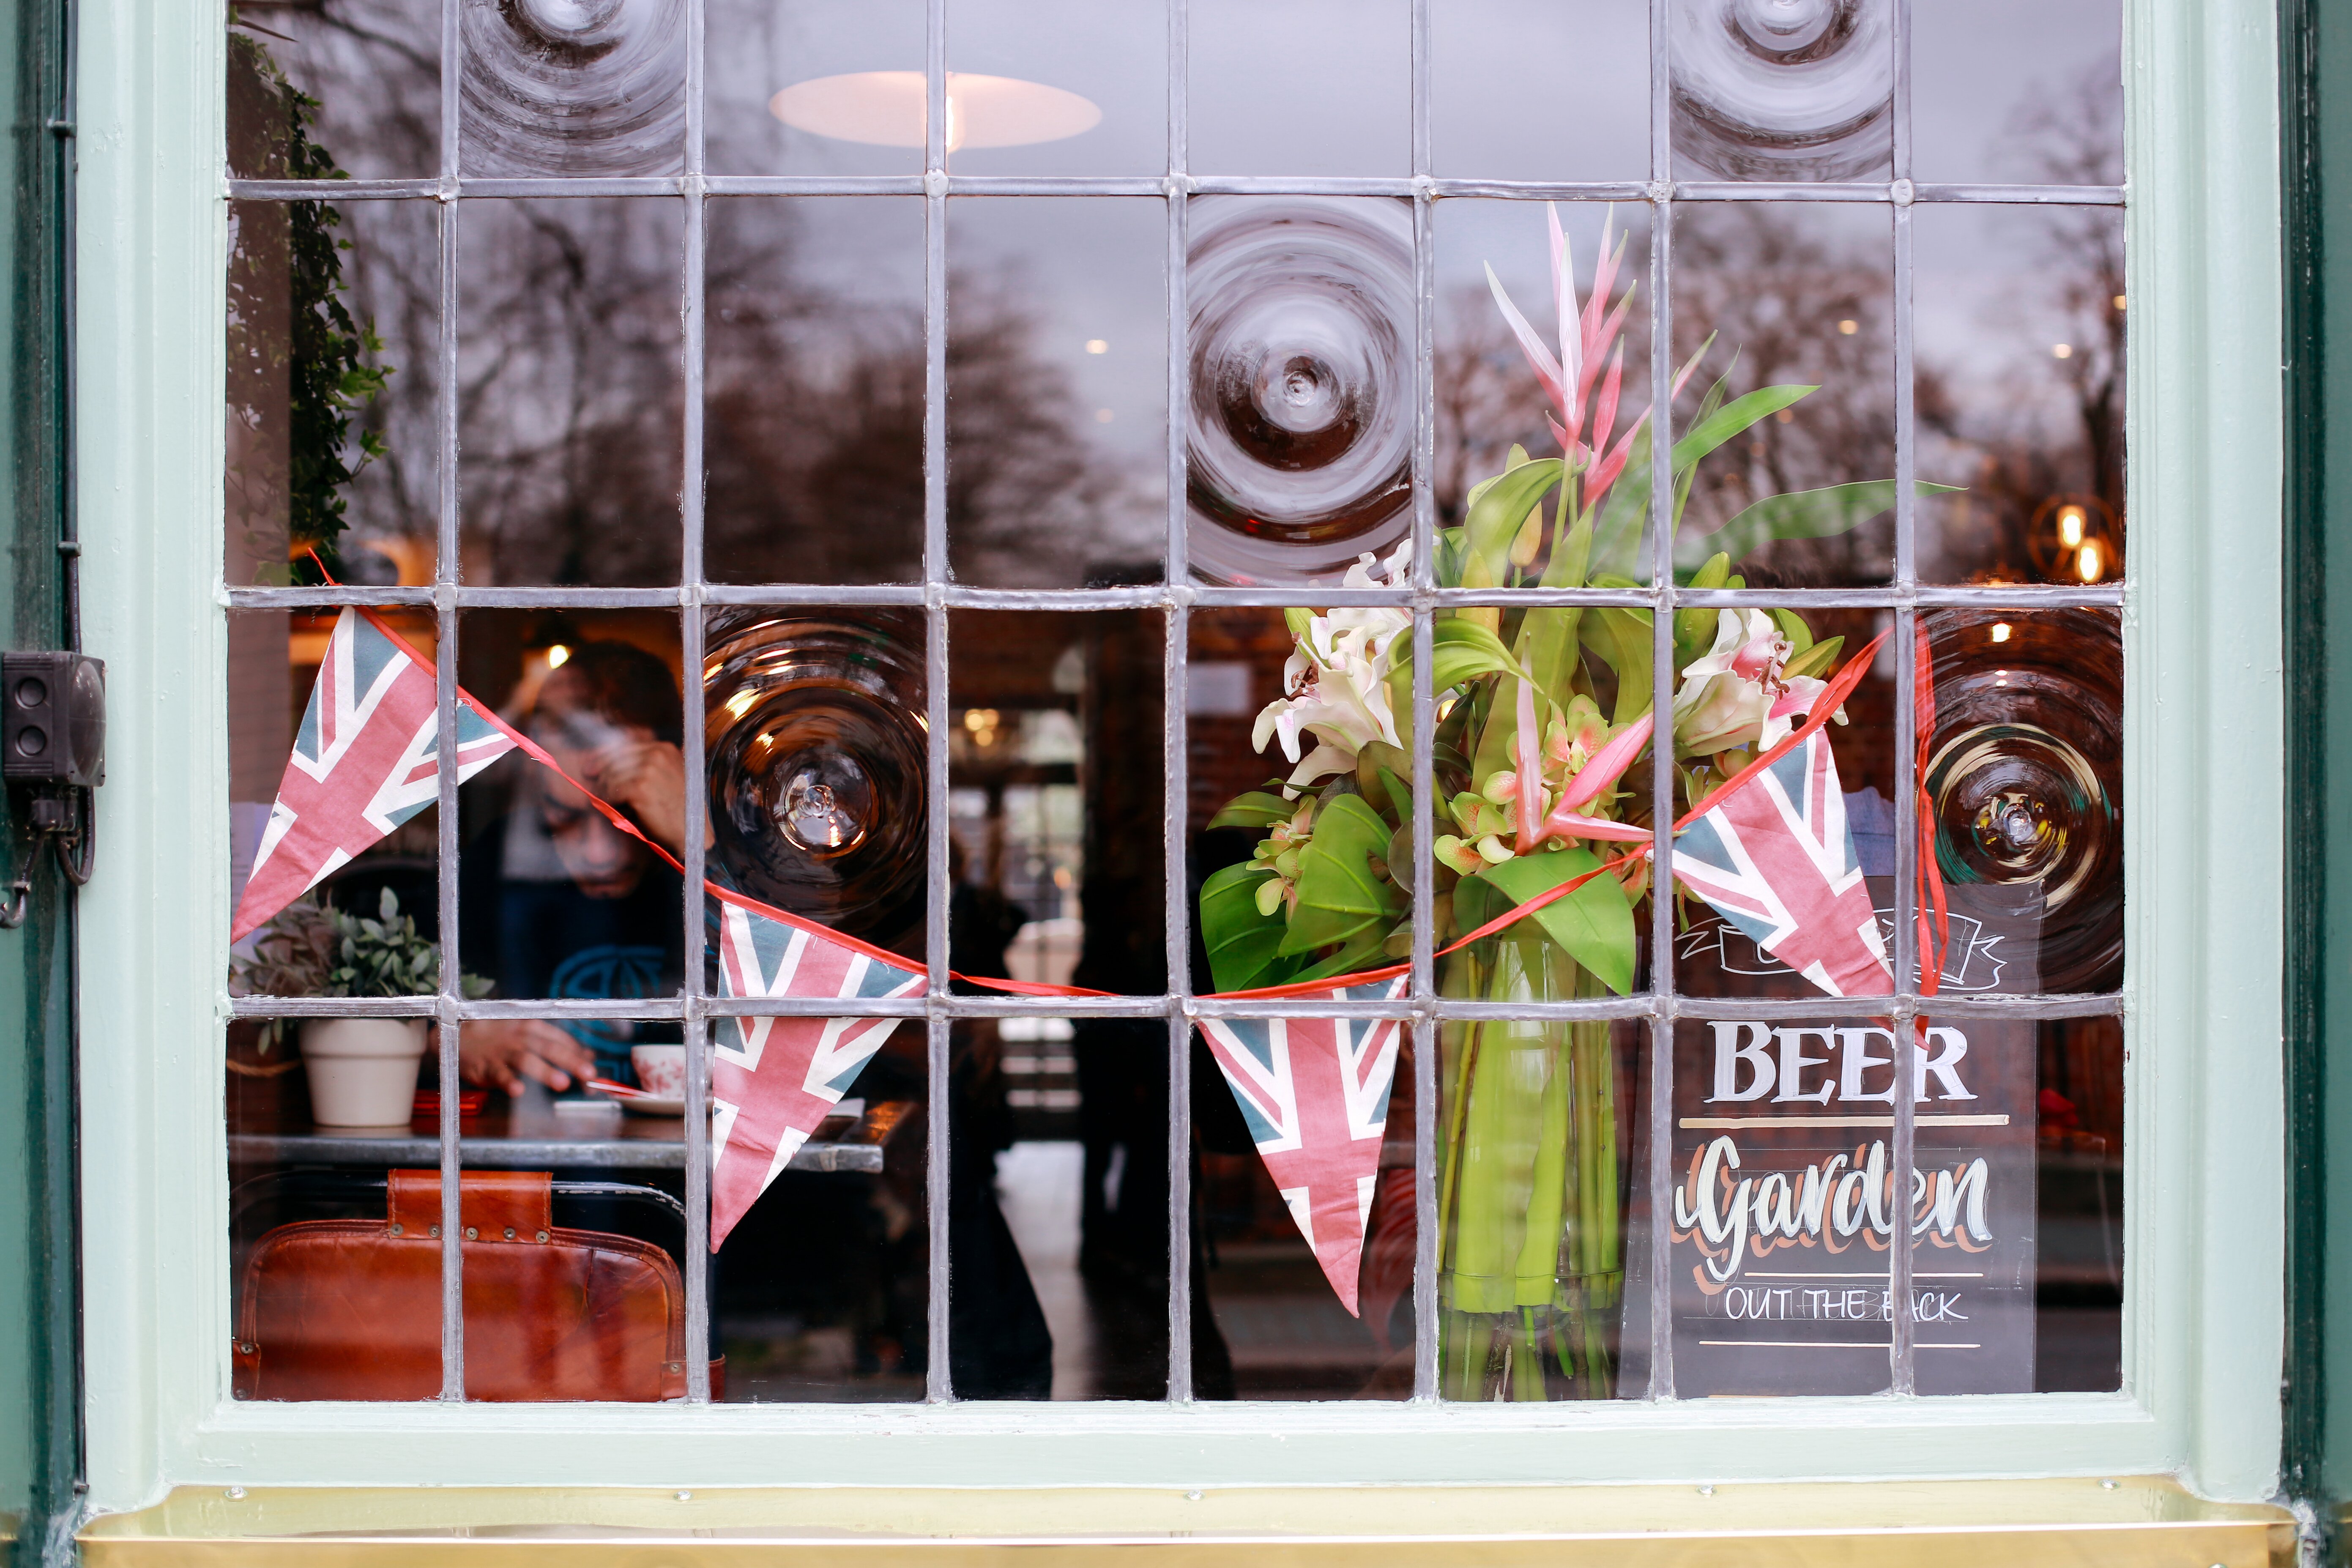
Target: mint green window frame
x=2204 y=770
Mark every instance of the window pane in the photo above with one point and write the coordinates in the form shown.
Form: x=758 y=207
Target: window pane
x=557 y=89
x=333 y=392
x=554 y=901
x=2079 y=1207
x=1490 y=399
x=1057 y=392
x=2024 y=773
x=814 y=435
x=342 y=86
x=1254 y=110
x=1792 y=297
x=1059 y=1202
x=1053 y=716
x=817 y=87
x=1541 y=1133
x=1783 y=92
x=1981 y=109
x=1530 y=89
x=1299 y=434
x=821 y=1289
x=1059 y=88
x=570 y=396
x=2021 y=394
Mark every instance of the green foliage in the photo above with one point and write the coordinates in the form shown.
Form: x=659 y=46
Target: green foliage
x=311 y=948
x=1594 y=924
x=1245 y=946
x=1459 y=651
x=325 y=360
x=1341 y=895
x=1803 y=514
x=1255 y=809
x=1499 y=508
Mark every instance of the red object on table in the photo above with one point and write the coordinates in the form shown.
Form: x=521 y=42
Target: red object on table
x=351 y=1308
x=469 y=1104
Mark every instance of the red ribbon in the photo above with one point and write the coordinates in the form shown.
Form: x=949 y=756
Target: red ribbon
x=1832 y=697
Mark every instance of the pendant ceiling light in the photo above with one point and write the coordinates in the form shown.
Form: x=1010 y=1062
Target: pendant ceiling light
x=886 y=109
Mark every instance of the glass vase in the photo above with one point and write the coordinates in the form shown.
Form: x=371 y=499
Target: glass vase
x=1530 y=1259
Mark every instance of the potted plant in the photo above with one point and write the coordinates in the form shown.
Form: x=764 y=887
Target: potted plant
x=362 y=1071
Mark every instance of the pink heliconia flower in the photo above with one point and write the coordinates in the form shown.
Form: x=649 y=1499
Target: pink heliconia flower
x=1587 y=330
x=1527 y=747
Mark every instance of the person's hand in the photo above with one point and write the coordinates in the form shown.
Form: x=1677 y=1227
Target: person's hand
x=648 y=777
x=505 y=1051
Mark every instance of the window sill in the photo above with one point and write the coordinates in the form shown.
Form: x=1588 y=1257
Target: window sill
x=1918 y=1525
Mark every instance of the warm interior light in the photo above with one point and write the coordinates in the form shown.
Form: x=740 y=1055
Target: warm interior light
x=1849 y=328
x=2089 y=564
x=2000 y=631
x=556 y=654
x=2061 y=351
x=886 y=109
x=2070 y=520
x=2120 y=302
x=1098 y=346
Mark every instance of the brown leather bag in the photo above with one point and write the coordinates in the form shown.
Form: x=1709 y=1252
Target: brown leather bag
x=351 y=1308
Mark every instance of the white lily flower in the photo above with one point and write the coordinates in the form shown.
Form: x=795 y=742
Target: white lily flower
x=1734 y=696
x=1336 y=682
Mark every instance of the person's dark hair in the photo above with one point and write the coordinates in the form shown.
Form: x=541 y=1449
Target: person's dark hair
x=627 y=685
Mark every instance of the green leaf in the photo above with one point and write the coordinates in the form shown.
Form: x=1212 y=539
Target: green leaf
x=1621 y=637
x=1255 y=809
x=1732 y=419
x=1459 y=650
x=1815 y=660
x=1594 y=924
x=1242 y=944
x=1801 y=514
x=1499 y=507
x=1548 y=648
x=1339 y=897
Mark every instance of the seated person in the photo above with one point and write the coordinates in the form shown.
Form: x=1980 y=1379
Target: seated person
x=555 y=900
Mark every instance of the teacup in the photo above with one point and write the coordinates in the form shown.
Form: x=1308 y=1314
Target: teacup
x=660 y=1069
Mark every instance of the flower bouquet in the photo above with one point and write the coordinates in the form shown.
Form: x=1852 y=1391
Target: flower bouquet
x=1542 y=714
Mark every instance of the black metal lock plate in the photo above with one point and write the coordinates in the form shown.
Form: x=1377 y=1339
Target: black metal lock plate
x=52 y=719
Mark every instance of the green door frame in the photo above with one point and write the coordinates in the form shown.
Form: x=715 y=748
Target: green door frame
x=40 y=1386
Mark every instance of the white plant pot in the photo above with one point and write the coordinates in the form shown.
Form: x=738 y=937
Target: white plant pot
x=362 y=1072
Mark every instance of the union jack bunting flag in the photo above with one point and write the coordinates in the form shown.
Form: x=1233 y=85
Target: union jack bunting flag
x=1776 y=858
x=366 y=759
x=1315 y=1092
x=772 y=1080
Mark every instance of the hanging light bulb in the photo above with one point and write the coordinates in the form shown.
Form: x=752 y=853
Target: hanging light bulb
x=2090 y=563
x=2070 y=520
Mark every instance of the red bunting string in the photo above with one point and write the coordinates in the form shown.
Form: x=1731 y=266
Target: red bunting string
x=1832 y=697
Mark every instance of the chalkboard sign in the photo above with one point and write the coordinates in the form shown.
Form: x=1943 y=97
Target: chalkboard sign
x=1783 y=1208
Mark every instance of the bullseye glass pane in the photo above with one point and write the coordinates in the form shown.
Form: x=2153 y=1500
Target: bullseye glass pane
x=2024 y=776
x=1299 y=435
x=555 y=88
x=1766 y=91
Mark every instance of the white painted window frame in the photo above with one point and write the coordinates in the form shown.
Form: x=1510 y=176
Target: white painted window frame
x=2203 y=1325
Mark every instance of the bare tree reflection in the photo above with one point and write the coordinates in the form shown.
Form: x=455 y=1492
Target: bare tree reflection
x=2047 y=425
